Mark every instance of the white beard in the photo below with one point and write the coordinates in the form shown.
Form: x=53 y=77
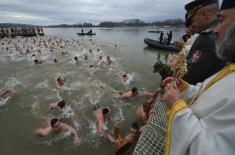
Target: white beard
x=226 y=49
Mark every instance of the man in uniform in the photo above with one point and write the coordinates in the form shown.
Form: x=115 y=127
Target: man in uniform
x=201 y=59
x=201 y=118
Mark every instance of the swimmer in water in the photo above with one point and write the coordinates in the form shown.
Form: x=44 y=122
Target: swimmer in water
x=130 y=94
x=102 y=116
x=57 y=126
x=123 y=76
x=76 y=59
x=6 y=90
x=36 y=61
x=60 y=82
x=132 y=137
x=145 y=110
x=56 y=106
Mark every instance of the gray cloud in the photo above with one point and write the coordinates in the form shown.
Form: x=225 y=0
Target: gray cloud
x=78 y=11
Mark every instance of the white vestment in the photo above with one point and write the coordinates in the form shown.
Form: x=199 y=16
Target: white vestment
x=208 y=126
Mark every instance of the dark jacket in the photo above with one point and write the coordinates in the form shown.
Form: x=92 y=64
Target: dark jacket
x=202 y=61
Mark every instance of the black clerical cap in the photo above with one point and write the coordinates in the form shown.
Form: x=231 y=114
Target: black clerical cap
x=227 y=4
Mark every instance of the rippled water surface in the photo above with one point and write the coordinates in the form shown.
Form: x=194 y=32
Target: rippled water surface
x=83 y=89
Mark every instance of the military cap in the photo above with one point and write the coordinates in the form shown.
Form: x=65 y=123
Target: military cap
x=195 y=5
x=227 y=4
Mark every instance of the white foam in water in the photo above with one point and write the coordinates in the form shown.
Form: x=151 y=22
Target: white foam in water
x=130 y=78
x=43 y=84
x=77 y=125
x=68 y=112
x=4 y=101
x=12 y=82
x=93 y=127
x=75 y=85
x=58 y=137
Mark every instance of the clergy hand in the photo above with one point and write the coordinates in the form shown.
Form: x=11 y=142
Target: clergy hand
x=169 y=80
x=171 y=95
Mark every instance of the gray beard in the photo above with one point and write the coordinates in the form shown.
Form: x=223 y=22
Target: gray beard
x=225 y=50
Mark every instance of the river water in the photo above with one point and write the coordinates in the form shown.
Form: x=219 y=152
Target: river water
x=84 y=87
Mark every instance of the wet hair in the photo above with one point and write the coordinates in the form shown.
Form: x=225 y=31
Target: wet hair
x=105 y=111
x=55 y=60
x=91 y=66
x=135 y=126
x=134 y=90
x=124 y=75
x=100 y=57
x=54 y=121
x=61 y=104
x=58 y=79
x=146 y=107
x=76 y=58
x=36 y=61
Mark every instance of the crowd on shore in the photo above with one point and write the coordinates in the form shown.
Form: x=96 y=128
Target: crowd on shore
x=21 y=31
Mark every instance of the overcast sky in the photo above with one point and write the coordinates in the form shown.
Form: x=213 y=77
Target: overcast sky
x=47 y=12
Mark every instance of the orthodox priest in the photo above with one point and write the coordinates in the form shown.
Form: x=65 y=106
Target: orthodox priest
x=202 y=116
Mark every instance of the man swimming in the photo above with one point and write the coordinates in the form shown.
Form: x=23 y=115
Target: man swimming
x=6 y=90
x=130 y=94
x=57 y=105
x=57 y=126
x=103 y=117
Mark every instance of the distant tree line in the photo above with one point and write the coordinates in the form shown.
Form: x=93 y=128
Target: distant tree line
x=171 y=22
x=79 y=25
x=129 y=22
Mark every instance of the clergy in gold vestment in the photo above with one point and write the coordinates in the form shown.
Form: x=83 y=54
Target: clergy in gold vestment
x=202 y=116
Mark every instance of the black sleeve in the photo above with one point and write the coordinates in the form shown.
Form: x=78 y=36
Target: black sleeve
x=202 y=61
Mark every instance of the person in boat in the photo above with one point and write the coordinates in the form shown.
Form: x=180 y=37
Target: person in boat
x=161 y=37
x=90 y=32
x=202 y=61
x=56 y=126
x=38 y=29
x=130 y=94
x=7 y=90
x=82 y=31
x=103 y=119
x=202 y=115
x=56 y=106
x=169 y=37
